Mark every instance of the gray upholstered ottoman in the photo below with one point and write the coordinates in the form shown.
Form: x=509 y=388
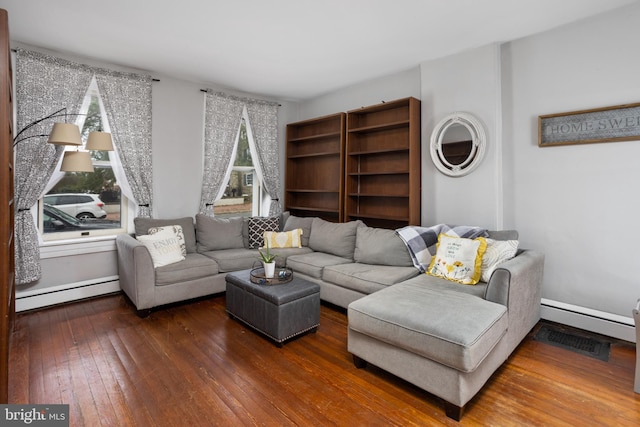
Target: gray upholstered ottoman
x=279 y=311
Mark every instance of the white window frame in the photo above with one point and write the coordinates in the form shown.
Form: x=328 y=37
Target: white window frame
x=82 y=235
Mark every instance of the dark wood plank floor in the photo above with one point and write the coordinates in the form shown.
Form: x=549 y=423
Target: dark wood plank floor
x=190 y=365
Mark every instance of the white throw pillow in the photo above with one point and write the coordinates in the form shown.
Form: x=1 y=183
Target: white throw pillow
x=177 y=229
x=497 y=251
x=163 y=246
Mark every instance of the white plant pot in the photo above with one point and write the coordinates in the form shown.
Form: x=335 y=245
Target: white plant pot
x=269 y=269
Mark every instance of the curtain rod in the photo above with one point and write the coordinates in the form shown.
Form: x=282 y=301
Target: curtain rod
x=239 y=97
x=109 y=69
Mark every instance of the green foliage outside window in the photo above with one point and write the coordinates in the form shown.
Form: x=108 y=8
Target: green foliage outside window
x=243 y=155
x=102 y=179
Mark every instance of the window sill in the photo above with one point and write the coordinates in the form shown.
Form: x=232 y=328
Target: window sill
x=72 y=247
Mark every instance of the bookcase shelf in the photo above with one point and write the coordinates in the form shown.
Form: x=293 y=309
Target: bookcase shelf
x=324 y=153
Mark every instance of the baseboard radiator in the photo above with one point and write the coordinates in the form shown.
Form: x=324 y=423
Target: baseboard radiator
x=40 y=298
x=600 y=322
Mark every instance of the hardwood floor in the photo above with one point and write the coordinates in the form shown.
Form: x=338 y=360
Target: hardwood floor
x=191 y=365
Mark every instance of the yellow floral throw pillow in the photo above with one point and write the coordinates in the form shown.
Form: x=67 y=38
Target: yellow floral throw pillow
x=284 y=239
x=458 y=259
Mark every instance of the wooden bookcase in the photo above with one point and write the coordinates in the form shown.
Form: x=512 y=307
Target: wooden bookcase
x=314 y=180
x=7 y=248
x=382 y=164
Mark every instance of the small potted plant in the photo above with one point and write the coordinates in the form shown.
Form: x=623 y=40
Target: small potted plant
x=268 y=262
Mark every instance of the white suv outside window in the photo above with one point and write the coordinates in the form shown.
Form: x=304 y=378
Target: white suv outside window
x=80 y=205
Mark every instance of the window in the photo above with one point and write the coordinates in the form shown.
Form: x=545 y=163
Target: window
x=248 y=179
x=243 y=192
x=83 y=204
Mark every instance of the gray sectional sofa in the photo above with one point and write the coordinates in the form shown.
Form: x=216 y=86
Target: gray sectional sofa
x=442 y=336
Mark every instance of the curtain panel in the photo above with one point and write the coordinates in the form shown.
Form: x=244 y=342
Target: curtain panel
x=263 y=119
x=223 y=115
x=44 y=84
x=127 y=101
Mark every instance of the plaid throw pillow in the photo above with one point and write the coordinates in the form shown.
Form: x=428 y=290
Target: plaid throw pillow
x=257 y=227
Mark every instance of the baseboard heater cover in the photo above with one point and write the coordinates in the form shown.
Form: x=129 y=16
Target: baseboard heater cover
x=32 y=300
x=600 y=322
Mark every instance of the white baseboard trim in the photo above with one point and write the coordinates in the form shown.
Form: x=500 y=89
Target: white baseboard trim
x=66 y=293
x=600 y=322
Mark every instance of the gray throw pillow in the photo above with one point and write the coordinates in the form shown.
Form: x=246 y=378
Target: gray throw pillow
x=218 y=233
x=295 y=222
x=334 y=238
x=380 y=246
x=142 y=226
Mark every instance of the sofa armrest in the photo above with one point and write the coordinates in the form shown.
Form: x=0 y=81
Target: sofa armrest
x=517 y=284
x=136 y=271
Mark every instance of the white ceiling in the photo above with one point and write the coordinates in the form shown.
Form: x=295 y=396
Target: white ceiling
x=286 y=49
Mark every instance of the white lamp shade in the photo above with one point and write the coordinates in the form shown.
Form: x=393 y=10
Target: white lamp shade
x=65 y=134
x=76 y=161
x=99 y=141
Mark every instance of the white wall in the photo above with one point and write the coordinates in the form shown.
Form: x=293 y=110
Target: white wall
x=576 y=203
x=468 y=82
x=178 y=123
x=396 y=86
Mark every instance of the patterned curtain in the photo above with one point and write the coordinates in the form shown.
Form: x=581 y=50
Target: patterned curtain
x=263 y=118
x=127 y=101
x=44 y=84
x=223 y=115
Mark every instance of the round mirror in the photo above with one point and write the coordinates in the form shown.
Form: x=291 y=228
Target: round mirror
x=458 y=144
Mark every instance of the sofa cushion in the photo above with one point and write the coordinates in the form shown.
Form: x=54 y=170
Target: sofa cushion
x=142 y=226
x=312 y=263
x=438 y=283
x=294 y=222
x=380 y=246
x=194 y=266
x=234 y=259
x=283 y=254
x=458 y=259
x=366 y=278
x=452 y=328
x=257 y=227
x=218 y=233
x=337 y=239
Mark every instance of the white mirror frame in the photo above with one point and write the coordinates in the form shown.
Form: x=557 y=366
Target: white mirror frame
x=478 y=144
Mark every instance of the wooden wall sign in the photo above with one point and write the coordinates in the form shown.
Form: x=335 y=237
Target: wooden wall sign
x=609 y=124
